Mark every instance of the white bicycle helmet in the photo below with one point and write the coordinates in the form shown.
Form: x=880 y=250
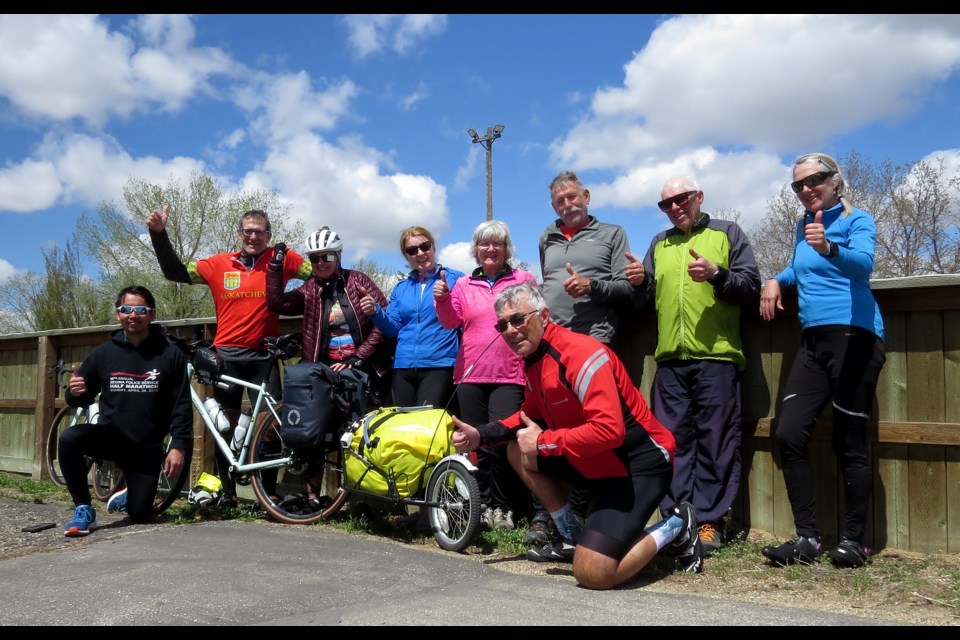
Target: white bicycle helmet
x=323 y=240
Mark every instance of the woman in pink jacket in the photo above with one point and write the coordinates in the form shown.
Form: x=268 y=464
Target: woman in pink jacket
x=489 y=375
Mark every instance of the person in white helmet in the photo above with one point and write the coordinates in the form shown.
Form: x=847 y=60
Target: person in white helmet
x=336 y=331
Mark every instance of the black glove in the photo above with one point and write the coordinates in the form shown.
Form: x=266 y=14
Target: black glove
x=280 y=252
x=352 y=361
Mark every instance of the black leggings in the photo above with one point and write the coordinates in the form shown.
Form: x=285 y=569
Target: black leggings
x=842 y=363
x=418 y=387
x=140 y=465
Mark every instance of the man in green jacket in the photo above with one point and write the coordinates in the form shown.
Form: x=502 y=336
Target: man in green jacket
x=698 y=274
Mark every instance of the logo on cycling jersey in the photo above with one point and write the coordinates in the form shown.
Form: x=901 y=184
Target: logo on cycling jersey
x=231 y=280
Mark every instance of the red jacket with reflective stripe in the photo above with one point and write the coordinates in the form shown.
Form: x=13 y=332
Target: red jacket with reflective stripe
x=581 y=395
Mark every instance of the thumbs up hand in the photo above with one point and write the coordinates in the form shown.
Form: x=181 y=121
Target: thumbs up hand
x=441 y=288
x=701 y=269
x=367 y=304
x=157 y=220
x=635 y=272
x=576 y=285
x=816 y=234
x=78 y=386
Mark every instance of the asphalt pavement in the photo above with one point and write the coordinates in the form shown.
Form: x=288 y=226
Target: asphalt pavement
x=240 y=573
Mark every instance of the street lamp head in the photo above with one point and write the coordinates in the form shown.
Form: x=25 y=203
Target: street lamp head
x=498 y=128
x=472 y=133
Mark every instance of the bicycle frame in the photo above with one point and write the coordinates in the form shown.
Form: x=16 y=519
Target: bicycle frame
x=264 y=399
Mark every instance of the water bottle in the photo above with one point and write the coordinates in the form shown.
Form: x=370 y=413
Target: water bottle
x=241 y=431
x=93 y=413
x=219 y=418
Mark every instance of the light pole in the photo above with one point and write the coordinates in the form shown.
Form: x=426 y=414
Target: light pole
x=487 y=141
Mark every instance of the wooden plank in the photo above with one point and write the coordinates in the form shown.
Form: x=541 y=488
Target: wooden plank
x=891 y=497
x=44 y=409
x=942 y=433
x=951 y=365
x=925 y=366
x=892 y=394
x=927 y=494
x=952 y=463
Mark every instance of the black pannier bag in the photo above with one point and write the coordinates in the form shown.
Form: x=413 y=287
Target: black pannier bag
x=316 y=401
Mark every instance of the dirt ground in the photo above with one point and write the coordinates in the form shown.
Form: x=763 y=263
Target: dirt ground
x=816 y=587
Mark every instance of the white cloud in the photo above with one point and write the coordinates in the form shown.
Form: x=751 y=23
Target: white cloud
x=369 y=34
x=45 y=187
x=349 y=187
x=410 y=101
x=7 y=271
x=699 y=99
x=457 y=256
x=60 y=67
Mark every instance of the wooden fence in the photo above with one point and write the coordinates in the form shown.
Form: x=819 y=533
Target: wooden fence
x=914 y=437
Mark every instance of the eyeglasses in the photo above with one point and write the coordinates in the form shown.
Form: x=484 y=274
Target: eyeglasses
x=252 y=232
x=490 y=245
x=811 y=181
x=516 y=321
x=322 y=257
x=139 y=309
x=412 y=251
x=679 y=200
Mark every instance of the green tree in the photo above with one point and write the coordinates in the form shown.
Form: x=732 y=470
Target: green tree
x=203 y=220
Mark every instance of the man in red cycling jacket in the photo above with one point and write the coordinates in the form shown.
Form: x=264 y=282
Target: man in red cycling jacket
x=582 y=421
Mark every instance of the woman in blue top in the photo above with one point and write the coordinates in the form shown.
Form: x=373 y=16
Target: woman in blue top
x=839 y=359
x=425 y=351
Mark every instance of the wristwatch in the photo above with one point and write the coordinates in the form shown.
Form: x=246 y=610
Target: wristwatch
x=834 y=250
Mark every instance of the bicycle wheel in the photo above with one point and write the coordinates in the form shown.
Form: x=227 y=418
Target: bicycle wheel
x=169 y=489
x=65 y=418
x=107 y=479
x=457 y=518
x=282 y=491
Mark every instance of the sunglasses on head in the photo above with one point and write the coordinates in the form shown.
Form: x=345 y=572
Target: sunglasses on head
x=251 y=232
x=322 y=257
x=412 y=251
x=516 y=321
x=811 y=181
x=680 y=199
x=139 y=309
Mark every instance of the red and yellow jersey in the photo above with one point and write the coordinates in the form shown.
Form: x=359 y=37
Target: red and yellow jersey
x=239 y=295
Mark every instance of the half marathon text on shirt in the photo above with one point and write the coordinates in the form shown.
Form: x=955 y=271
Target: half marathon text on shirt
x=136 y=382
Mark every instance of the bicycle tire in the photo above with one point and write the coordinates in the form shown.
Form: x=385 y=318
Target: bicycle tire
x=106 y=479
x=456 y=521
x=282 y=491
x=170 y=489
x=65 y=418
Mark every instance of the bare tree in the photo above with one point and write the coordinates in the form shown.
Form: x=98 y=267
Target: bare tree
x=773 y=238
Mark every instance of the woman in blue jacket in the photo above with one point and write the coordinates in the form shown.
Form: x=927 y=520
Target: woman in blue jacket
x=840 y=357
x=425 y=350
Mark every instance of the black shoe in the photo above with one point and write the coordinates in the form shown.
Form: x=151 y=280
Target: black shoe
x=799 y=549
x=849 y=554
x=687 y=545
x=560 y=551
x=688 y=514
x=542 y=530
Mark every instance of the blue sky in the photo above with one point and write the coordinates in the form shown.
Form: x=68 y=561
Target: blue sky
x=360 y=122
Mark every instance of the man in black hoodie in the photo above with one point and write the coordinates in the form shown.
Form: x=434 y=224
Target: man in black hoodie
x=144 y=395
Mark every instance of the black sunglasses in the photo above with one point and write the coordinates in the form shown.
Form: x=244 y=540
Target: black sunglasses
x=412 y=251
x=811 y=181
x=322 y=257
x=139 y=309
x=679 y=200
x=516 y=321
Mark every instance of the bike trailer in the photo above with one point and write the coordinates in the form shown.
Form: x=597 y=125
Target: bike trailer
x=393 y=450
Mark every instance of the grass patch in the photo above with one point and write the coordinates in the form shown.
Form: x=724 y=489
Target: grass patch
x=23 y=489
